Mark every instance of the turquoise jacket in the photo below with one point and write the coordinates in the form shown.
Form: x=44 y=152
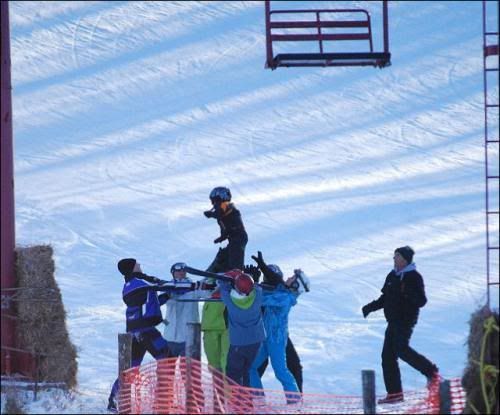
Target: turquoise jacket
x=277 y=305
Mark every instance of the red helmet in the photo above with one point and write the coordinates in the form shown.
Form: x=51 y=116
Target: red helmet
x=243 y=284
x=233 y=273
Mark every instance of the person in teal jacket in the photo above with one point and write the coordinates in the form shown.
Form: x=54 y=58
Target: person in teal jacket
x=277 y=304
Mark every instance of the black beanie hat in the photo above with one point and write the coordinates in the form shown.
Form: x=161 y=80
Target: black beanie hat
x=406 y=252
x=126 y=266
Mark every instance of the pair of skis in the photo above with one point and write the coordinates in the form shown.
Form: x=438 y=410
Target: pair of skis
x=215 y=276
x=207 y=274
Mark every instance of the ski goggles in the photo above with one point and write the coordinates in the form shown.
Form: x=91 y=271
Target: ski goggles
x=179 y=266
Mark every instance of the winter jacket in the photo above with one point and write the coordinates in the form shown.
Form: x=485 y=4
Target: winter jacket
x=231 y=224
x=403 y=294
x=213 y=317
x=245 y=323
x=277 y=304
x=179 y=313
x=143 y=303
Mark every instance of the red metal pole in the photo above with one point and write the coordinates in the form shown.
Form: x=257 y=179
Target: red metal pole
x=385 y=13
x=269 y=44
x=7 y=200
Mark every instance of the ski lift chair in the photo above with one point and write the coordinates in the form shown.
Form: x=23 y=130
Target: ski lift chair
x=322 y=26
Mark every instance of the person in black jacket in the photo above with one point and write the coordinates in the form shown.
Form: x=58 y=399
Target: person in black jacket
x=403 y=294
x=231 y=228
x=143 y=314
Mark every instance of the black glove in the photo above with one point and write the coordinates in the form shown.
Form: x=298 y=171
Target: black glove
x=209 y=213
x=366 y=310
x=259 y=259
x=196 y=285
x=210 y=286
x=253 y=271
x=219 y=239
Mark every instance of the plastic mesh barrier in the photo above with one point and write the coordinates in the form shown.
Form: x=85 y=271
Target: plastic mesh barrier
x=183 y=385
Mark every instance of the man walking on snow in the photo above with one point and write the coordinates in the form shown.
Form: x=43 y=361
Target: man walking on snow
x=403 y=294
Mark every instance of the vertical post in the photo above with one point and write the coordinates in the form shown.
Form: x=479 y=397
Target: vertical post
x=193 y=341
x=318 y=21
x=485 y=88
x=269 y=43
x=7 y=260
x=444 y=397
x=368 y=19
x=368 y=379
x=385 y=13
x=35 y=363
x=193 y=352
x=124 y=352
x=124 y=363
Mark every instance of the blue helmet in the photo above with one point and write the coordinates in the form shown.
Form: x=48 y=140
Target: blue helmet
x=221 y=193
x=277 y=270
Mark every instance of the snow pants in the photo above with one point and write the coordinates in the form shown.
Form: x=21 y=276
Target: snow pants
x=397 y=345
x=151 y=341
x=276 y=352
x=292 y=363
x=231 y=256
x=216 y=345
x=239 y=361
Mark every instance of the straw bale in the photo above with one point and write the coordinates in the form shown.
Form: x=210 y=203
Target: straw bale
x=471 y=378
x=42 y=318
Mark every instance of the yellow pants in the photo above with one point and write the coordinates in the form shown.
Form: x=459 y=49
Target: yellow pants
x=216 y=344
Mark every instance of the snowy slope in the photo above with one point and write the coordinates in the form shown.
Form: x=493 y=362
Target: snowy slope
x=126 y=114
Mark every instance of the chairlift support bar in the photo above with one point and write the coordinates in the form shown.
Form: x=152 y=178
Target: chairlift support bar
x=491 y=141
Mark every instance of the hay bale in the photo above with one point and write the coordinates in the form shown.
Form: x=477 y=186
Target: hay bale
x=471 y=380
x=42 y=319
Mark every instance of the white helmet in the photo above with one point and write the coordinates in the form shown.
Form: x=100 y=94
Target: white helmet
x=303 y=284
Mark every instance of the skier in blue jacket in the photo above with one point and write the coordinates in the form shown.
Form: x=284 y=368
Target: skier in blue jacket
x=277 y=303
x=243 y=300
x=143 y=314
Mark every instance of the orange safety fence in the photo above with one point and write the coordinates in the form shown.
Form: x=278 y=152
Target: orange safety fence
x=188 y=386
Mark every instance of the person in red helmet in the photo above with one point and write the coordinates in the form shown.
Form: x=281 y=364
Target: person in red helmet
x=243 y=300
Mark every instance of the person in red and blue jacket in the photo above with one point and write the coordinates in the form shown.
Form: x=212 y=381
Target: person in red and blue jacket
x=143 y=314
